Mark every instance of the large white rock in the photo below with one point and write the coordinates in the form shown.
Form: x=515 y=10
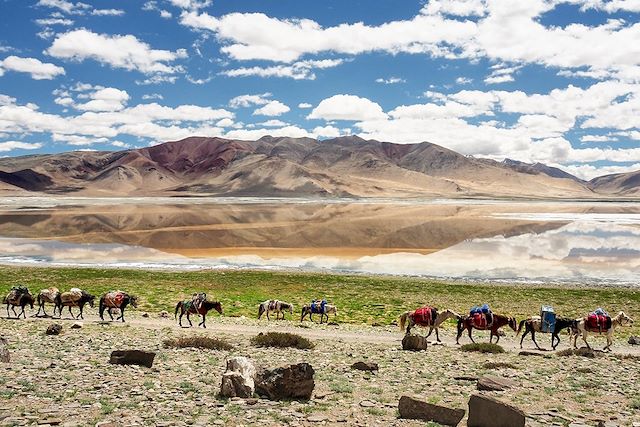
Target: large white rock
x=239 y=378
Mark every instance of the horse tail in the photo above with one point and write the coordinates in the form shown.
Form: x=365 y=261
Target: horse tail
x=175 y=315
x=403 y=320
x=522 y=322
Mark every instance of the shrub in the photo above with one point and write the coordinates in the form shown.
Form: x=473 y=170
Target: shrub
x=499 y=365
x=198 y=342
x=484 y=347
x=281 y=339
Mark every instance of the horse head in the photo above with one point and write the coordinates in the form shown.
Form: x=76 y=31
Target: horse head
x=624 y=319
x=217 y=306
x=133 y=300
x=513 y=324
x=290 y=308
x=90 y=300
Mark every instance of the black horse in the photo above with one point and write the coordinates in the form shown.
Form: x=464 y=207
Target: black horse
x=187 y=307
x=116 y=299
x=85 y=298
x=21 y=301
x=533 y=325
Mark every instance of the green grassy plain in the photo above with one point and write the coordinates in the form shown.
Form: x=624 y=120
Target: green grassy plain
x=360 y=299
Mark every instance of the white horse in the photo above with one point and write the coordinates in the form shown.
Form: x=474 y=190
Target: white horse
x=620 y=319
x=47 y=295
x=280 y=307
x=440 y=318
x=328 y=309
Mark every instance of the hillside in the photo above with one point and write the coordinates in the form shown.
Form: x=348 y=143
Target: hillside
x=296 y=167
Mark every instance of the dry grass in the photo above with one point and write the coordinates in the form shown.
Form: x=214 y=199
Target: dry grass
x=281 y=339
x=582 y=351
x=484 y=347
x=499 y=365
x=197 y=342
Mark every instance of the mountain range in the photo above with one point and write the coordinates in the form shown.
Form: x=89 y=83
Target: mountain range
x=298 y=167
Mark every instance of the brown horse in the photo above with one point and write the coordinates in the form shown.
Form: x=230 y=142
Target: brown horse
x=187 y=307
x=497 y=322
x=18 y=300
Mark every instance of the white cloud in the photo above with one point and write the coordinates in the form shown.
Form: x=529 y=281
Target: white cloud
x=107 y=99
x=165 y=14
x=347 y=107
x=249 y=100
x=18 y=145
x=147 y=96
x=597 y=138
x=157 y=79
x=508 y=31
x=120 y=144
x=254 y=134
x=302 y=70
x=54 y=21
x=464 y=81
x=191 y=4
x=65 y=6
x=272 y=108
x=390 y=80
x=304 y=105
x=38 y=70
x=118 y=51
x=326 y=131
x=200 y=81
x=107 y=12
x=273 y=123
x=224 y=123
x=589 y=172
x=6 y=99
x=77 y=140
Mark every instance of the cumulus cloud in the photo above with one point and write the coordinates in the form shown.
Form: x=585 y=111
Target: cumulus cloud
x=272 y=108
x=117 y=51
x=249 y=100
x=347 y=107
x=304 y=105
x=38 y=70
x=18 y=145
x=107 y=99
x=507 y=31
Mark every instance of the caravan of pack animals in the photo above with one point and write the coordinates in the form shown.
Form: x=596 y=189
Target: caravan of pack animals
x=598 y=322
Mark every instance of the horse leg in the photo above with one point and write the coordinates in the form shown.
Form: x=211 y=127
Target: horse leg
x=189 y=319
x=180 y=319
x=553 y=338
x=584 y=338
x=470 y=337
x=533 y=338
x=438 y=335
x=122 y=314
x=609 y=342
x=526 y=331
x=430 y=331
x=22 y=313
x=80 y=316
x=13 y=308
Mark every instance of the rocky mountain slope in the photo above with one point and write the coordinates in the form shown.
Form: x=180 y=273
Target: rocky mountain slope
x=345 y=166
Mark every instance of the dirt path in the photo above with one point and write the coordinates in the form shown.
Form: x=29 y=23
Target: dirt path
x=353 y=333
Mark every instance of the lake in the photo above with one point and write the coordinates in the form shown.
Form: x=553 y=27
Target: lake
x=515 y=241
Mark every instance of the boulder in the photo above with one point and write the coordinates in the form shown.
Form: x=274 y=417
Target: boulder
x=4 y=351
x=145 y=314
x=365 y=366
x=132 y=357
x=54 y=329
x=495 y=383
x=634 y=340
x=238 y=379
x=486 y=411
x=290 y=382
x=76 y=325
x=415 y=409
x=414 y=343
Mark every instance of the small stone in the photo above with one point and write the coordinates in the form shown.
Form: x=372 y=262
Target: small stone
x=164 y=314
x=634 y=340
x=495 y=383
x=317 y=418
x=54 y=329
x=368 y=404
x=145 y=314
x=132 y=357
x=365 y=366
x=76 y=325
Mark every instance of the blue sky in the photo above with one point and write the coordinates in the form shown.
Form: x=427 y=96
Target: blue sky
x=551 y=81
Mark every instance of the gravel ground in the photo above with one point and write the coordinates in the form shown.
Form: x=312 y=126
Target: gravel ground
x=67 y=380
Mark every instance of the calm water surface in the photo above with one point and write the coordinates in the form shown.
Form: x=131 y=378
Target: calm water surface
x=590 y=243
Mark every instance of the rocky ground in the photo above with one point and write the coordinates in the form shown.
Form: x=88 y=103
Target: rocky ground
x=67 y=380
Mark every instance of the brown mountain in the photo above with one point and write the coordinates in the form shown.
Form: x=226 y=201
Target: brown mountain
x=346 y=166
x=623 y=184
